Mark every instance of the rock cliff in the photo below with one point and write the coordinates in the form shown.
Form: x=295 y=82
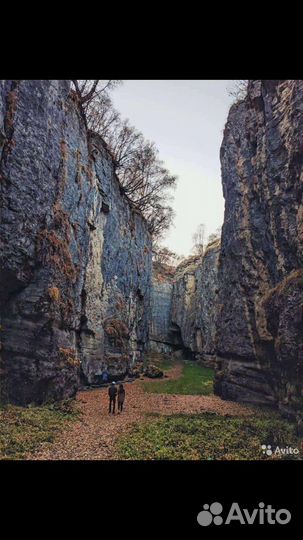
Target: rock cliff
x=75 y=274
x=75 y=255
x=260 y=315
x=160 y=326
x=184 y=306
x=195 y=300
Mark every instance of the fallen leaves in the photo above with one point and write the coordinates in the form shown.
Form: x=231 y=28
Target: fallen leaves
x=94 y=435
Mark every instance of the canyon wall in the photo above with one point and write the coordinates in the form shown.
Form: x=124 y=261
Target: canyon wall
x=75 y=274
x=194 y=302
x=160 y=327
x=260 y=315
x=184 y=306
x=75 y=269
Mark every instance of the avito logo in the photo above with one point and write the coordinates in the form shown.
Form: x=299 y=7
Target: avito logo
x=211 y=514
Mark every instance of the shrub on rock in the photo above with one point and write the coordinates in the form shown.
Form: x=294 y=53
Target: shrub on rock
x=153 y=372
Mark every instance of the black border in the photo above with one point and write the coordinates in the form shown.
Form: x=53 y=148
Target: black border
x=151 y=499
x=145 y=499
x=231 y=40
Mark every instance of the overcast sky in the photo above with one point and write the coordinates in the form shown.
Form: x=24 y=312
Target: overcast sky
x=185 y=119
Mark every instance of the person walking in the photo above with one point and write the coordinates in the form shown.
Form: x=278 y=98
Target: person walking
x=121 y=397
x=112 y=392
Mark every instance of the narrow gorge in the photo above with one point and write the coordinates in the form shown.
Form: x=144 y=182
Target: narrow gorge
x=79 y=290
x=183 y=307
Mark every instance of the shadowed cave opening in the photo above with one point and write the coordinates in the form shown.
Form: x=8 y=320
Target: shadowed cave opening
x=180 y=350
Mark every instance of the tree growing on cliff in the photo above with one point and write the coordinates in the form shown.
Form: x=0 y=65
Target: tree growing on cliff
x=143 y=176
x=89 y=91
x=238 y=90
x=96 y=105
x=198 y=239
x=214 y=236
x=163 y=255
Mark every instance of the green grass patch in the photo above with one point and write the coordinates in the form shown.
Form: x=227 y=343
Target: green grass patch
x=23 y=429
x=163 y=361
x=208 y=436
x=195 y=380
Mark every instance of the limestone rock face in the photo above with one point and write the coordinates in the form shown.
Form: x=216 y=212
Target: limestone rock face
x=184 y=306
x=160 y=331
x=259 y=321
x=114 y=321
x=207 y=301
x=185 y=295
x=284 y=314
x=194 y=301
x=71 y=266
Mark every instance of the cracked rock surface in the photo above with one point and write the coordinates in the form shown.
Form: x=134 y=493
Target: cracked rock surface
x=260 y=315
x=75 y=255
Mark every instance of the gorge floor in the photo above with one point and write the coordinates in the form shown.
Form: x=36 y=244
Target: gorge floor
x=98 y=435
x=95 y=433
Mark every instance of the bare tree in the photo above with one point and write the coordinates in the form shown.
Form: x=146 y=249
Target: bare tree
x=143 y=176
x=198 y=239
x=160 y=220
x=163 y=255
x=214 y=236
x=238 y=90
x=102 y=118
x=90 y=90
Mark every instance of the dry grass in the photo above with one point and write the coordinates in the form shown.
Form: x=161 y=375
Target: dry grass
x=54 y=294
x=68 y=357
x=54 y=250
x=96 y=434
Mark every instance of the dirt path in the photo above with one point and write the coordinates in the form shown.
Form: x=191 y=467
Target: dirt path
x=93 y=435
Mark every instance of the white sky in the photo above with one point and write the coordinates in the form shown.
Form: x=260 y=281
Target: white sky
x=185 y=119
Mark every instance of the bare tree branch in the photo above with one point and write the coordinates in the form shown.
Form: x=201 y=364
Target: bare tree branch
x=143 y=176
x=198 y=239
x=238 y=90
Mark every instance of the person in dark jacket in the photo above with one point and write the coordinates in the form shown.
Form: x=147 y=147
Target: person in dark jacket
x=121 y=397
x=112 y=392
